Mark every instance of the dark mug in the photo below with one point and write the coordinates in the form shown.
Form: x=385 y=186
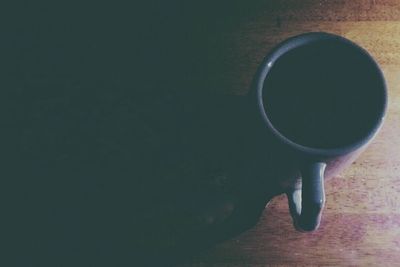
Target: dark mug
x=317 y=101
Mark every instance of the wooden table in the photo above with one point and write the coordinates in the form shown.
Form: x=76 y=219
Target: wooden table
x=361 y=222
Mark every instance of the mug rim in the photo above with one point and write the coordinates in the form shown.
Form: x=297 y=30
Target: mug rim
x=290 y=44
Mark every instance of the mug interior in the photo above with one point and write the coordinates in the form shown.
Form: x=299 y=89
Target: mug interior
x=325 y=94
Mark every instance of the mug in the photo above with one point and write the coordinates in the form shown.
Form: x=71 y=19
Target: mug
x=315 y=104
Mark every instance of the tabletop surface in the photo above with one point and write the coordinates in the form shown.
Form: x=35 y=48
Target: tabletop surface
x=361 y=219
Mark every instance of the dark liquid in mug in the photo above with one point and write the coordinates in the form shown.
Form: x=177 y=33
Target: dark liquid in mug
x=324 y=95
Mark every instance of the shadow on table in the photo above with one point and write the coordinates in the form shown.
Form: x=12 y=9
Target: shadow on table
x=112 y=156
x=147 y=180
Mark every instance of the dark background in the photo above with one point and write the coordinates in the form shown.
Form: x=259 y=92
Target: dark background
x=107 y=134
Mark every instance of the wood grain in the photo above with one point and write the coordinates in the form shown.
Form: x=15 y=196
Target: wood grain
x=361 y=221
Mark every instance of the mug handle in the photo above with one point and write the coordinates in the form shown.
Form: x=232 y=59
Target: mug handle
x=307 y=199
